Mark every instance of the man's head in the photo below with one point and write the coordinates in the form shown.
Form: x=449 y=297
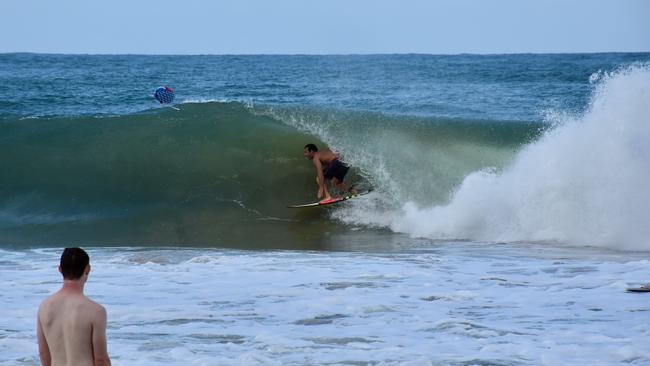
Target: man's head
x=310 y=150
x=74 y=263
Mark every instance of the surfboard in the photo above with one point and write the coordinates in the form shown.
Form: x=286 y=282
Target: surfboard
x=645 y=288
x=331 y=201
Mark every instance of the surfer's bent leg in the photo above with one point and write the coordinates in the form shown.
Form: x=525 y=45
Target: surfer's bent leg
x=337 y=171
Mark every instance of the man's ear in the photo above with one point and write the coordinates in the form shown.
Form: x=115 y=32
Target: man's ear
x=87 y=270
x=60 y=271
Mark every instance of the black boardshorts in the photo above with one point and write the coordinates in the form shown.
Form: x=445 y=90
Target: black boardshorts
x=336 y=169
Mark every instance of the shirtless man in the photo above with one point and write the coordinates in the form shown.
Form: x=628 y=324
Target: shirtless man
x=71 y=328
x=328 y=167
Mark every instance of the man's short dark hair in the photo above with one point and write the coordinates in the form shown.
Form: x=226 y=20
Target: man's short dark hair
x=311 y=147
x=73 y=263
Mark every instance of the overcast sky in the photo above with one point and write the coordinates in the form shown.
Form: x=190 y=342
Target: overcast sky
x=324 y=27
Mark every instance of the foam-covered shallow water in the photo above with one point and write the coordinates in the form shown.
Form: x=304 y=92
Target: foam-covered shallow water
x=437 y=303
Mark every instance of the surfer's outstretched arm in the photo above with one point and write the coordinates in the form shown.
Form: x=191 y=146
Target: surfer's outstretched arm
x=320 y=179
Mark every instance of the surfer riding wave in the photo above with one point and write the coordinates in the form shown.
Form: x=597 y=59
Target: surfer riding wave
x=329 y=167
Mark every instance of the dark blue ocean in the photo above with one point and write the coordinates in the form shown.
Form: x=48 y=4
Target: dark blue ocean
x=492 y=87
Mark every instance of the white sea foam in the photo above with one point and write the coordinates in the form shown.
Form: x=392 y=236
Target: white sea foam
x=585 y=182
x=204 y=100
x=448 y=303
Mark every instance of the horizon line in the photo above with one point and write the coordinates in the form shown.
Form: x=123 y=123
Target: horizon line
x=318 y=54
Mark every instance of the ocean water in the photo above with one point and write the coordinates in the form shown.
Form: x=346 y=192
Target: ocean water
x=431 y=304
x=509 y=214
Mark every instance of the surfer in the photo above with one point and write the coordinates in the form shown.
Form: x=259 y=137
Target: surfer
x=328 y=167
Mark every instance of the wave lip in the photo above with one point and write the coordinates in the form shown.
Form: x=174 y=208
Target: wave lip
x=585 y=182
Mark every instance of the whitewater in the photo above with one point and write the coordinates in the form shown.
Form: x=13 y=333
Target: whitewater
x=442 y=304
x=585 y=182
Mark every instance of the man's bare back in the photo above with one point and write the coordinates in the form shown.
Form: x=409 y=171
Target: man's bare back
x=325 y=156
x=71 y=328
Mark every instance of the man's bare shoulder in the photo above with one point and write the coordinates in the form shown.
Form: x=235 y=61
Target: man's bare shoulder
x=92 y=308
x=95 y=313
x=42 y=308
x=316 y=159
x=97 y=308
x=78 y=301
x=325 y=156
x=48 y=302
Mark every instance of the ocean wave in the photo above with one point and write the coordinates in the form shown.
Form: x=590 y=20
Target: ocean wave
x=214 y=171
x=584 y=182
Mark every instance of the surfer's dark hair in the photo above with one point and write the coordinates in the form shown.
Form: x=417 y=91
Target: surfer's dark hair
x=73 y=263
x=311 y=147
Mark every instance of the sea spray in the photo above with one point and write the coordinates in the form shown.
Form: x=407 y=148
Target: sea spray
x=585 y=182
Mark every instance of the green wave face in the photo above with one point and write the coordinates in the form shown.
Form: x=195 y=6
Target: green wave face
x=221 y=174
